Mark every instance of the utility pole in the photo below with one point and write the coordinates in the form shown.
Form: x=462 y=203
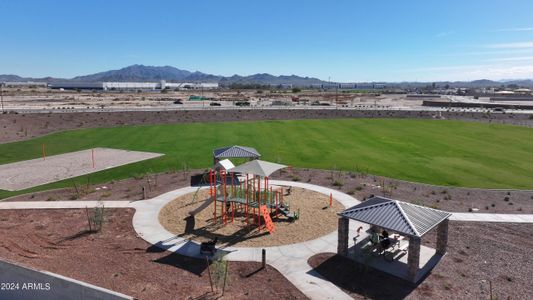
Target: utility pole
x=2 y=96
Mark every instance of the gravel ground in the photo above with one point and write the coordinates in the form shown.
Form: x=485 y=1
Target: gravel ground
x=452 y=199
x=359 y=186
x=117 y=259
x=316 y=219
x=474 y=259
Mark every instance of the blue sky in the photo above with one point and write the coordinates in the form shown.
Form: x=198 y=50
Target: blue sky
x=342 y=40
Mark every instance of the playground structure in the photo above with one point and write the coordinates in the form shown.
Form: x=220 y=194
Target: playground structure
x=245 y=191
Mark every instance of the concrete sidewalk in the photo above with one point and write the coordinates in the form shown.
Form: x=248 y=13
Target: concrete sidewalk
x=503 y=218
x=62 y=204
x=289 y=260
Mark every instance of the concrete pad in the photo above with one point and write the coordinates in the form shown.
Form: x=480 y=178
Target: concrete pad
x=398 y=267
x=30 y=173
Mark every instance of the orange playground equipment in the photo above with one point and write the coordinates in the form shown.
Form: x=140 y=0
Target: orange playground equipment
x=250 y=196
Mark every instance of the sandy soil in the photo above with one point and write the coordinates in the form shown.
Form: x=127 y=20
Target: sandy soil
x=358 y=185
x=473 y=259
x=15 y=127
x=30 y=173
x=117 y=259
x=316 y=219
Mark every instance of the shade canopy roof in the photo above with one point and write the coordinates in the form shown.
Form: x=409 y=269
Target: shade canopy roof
x=402 y=217
x=236 y=151
x=257 y=167
x=224 y=164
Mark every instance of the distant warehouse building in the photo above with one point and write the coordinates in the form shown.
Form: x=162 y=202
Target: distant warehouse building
x=24 y=84
x=76 y=85
x=110 y=86
x=116 y=86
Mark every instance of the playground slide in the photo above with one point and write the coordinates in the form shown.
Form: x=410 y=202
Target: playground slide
x=201 y=207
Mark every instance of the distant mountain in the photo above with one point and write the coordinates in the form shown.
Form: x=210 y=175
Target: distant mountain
x=137 y=73
x=12 y=78
x=153 y=73
x=150 y=73
x=265 y=78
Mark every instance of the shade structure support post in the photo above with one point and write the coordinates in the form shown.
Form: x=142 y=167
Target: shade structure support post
x=442 y=237
x=413 y=258
x=342 y=238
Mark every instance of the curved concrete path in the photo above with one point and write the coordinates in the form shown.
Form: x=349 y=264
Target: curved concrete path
x=289 y=260
x=63 y=204
x=466 y=217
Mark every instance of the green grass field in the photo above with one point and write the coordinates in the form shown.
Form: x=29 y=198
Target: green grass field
x=437 y=152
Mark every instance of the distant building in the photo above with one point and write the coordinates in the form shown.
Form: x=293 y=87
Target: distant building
x=189 y=85
x=76 y=85
x=130 y=86
x=24 y=84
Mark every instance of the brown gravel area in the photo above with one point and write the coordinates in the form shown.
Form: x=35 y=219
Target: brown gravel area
x=356 y=184
x=316 y=219
x=16 y=127
x=115 y=258
x=126 y=189
x=452 y=199
x=477 y=253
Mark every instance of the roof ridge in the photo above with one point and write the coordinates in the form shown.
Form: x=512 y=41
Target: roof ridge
x=404 y=215
x=389 y=201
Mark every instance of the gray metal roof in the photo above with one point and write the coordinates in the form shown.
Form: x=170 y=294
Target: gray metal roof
x=398 y=216
x=236 y=151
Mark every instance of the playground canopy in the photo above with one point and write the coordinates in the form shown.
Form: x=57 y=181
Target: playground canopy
x=224 y=164
x=257 y=167
x=235 y=152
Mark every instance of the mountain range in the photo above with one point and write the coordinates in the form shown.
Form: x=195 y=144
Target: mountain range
x=138 y=73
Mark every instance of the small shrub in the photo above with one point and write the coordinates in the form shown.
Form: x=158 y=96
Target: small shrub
x=338 y=183
x=97 y=218
x=433 y=193
x=295 y=178
x=359 y=188
x=51 y=198
x=506 y=198
x=493 y=205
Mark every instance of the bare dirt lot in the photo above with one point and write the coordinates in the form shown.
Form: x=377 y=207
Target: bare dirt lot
x=316 y=219
x=477 y=253
x=115 y=258
x=358 y=185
